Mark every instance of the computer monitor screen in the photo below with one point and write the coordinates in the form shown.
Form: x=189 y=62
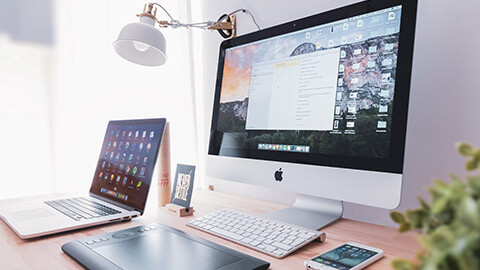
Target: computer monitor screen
x=325 y=90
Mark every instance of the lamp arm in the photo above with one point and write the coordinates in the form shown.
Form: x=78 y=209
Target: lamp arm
x=202 y=25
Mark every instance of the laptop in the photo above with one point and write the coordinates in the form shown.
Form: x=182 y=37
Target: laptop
x=118 y=191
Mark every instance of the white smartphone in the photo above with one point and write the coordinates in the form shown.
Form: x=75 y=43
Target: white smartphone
x=349 y=256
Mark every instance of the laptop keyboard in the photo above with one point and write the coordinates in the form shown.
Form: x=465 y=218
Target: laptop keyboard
x=81 y=208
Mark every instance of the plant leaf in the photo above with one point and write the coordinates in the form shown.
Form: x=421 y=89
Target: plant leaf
x=472 y=164
x=424 y=204
x=455 y=177
x=405 y=227
x=435 y=194
x=477 y=154
x=402 y=264
x=439 y=205
x=440 y=184
x=474 y=183
x=397 y=217
x=415 y=217
x=421 y=257
x=442 y=239
x=465 y=149
x=469 y=213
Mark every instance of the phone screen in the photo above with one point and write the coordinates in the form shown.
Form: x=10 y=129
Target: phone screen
x=345 y=257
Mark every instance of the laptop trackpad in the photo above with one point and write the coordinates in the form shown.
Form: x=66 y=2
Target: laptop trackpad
x=31 y=214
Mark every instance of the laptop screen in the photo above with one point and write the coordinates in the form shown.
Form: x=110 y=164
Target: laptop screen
x=127 y=160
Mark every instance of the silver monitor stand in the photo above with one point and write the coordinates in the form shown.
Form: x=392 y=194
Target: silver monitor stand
x=309 y=211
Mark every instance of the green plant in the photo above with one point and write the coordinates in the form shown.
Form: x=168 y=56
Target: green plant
x=450 y=224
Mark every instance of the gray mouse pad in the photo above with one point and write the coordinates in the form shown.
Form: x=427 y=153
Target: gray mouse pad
x=157 y=246
x=164 y=248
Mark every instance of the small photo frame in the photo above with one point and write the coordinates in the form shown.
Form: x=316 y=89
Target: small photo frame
x=183 y=185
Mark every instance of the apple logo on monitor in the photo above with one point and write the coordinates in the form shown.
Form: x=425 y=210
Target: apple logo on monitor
x=278 y=175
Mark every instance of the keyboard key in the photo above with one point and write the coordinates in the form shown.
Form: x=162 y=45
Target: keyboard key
x=261 y=239
x=255 y=243
x=268 y=241
x=227 y=233
x=279 y=239
x=270 y=248
x=287 y=241
x=247 y=240
x=303 y=235
x=282 y=245
x=297 y=242
x=257 y=232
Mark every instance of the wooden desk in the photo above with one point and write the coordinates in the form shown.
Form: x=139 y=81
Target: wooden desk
x=45 y=252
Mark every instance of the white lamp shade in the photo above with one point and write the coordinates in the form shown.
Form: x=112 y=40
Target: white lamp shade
x=142 y=43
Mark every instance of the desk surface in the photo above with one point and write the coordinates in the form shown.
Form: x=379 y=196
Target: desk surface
x=45 y=252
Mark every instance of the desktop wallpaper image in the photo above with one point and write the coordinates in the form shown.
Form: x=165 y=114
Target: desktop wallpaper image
x=366 y=82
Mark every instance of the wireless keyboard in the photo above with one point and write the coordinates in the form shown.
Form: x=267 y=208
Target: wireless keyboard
x=268 y=236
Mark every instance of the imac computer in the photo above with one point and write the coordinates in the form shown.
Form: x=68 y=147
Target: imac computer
x=318 y=106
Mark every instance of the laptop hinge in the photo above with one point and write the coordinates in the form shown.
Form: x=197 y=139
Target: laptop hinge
x=123 y=206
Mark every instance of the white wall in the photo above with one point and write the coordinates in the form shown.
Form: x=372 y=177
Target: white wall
x=26 y=59
x=25 y=138
x=444 y=95
x=95 y=85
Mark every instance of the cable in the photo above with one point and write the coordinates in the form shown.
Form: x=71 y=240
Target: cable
x=171 y=18
x=249 y=13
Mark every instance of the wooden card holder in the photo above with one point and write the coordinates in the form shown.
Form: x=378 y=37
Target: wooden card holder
x=179 y=210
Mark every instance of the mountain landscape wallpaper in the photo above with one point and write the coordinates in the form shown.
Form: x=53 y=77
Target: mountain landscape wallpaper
x=373 y=88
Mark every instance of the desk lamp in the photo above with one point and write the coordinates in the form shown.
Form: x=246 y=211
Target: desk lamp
x=143 y=44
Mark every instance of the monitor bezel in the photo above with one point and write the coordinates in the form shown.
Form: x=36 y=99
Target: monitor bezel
x=393 y=164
